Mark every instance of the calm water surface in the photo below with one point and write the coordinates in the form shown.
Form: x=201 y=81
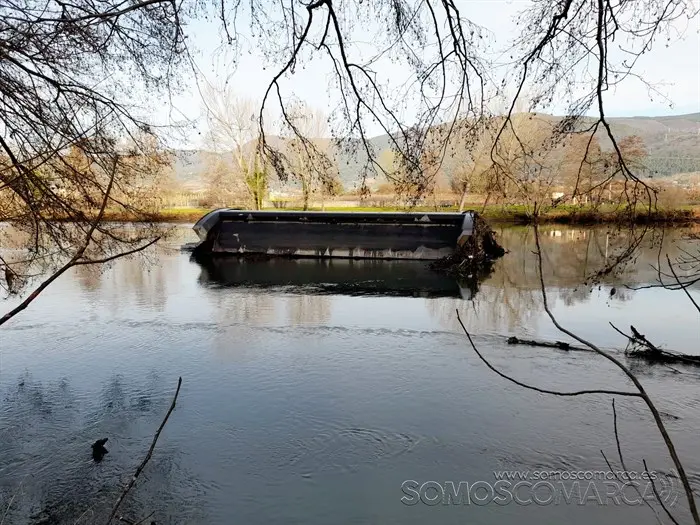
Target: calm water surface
x=312 y=391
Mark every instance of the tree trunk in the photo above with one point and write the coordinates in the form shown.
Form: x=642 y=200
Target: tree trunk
x=305 y=190
x=256 y=199
x=463 y=199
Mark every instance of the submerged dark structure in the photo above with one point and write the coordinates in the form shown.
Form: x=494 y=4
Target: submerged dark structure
x=345 y=235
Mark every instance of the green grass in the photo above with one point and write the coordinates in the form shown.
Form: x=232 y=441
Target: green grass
x=508 y=214
x=164 y=215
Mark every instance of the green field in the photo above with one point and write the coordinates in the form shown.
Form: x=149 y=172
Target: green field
x=513 y=214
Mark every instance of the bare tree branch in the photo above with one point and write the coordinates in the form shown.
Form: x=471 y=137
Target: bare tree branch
x=535 y=388
x=624 y=467
x=88 y=239
x=682 y=286
x=690 y=497
x=658 y=496
x=146 y=459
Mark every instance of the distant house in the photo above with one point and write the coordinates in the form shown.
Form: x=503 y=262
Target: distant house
x=282 y=195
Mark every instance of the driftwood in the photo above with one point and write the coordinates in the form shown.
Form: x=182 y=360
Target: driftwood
x=663 y=356
x=641 y=349
x=561 y=345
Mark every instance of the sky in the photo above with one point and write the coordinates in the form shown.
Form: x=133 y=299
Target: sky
x=674 y=70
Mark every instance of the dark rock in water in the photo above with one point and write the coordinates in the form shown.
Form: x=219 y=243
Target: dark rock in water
x=99 y=450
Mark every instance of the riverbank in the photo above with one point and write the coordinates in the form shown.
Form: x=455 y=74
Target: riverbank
x=515 y=214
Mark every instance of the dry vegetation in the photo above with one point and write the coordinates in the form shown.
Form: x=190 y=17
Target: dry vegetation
x=549 y=179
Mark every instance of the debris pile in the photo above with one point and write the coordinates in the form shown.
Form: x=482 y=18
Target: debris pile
x=474 y=257
x=640 y=347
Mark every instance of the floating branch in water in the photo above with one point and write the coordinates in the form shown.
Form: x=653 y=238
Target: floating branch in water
x=536 y=388
x=561 y=345
x=642 y=348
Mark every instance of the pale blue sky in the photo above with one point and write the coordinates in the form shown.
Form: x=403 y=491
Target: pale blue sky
x=675 y=70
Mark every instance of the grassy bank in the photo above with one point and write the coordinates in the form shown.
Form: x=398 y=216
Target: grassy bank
x=514 y=214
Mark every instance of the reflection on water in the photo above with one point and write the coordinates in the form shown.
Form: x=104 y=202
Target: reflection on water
x=310 y=400
x=332 y=276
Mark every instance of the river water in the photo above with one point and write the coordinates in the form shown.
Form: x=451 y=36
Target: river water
x=319 y=393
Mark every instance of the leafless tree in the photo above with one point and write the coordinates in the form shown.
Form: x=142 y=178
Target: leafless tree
x=233 y=129
x=565 y=52
x=306 y=158
x=433 y=41
x=224 y=184
x=71 y=130
x=471 y=163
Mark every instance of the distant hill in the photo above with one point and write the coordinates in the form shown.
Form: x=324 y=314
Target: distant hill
x=673 y=144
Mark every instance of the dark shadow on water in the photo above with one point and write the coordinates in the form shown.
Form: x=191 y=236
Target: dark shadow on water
x=335 y=276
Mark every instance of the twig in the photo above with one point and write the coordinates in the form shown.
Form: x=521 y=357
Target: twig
x=147 y=458
x=144 y=519
x=683 y=287
x=78 y=254
x=636 y=337
x=622 y=461
x=617 y=437
x=74 y=261
x=12 y=499
x=658 y=519
x=83 y=262
x=88 y=510
x=656 y=493
x=129 y=522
